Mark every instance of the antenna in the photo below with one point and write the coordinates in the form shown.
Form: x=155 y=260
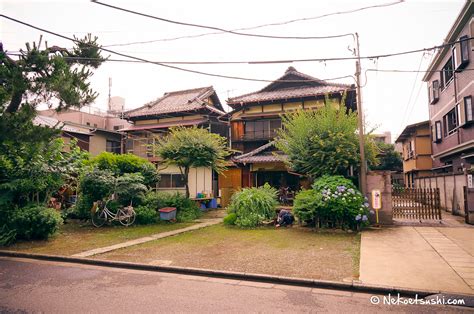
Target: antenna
x=110 y=89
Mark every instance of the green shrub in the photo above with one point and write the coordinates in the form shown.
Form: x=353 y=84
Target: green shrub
x=306 y=204
x=127 y=163
x=97 y=184
x=253 y=205
x=146 y=215
x=130 y=188
x=93 y=186
x=35 y=222
x=334 y=201
x=186 y=208
x=230 y=219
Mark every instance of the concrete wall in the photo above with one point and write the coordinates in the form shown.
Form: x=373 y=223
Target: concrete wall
x=381 y=180
x=450 y=190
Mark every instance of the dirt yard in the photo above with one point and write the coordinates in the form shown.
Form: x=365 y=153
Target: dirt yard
x=294 y=252
x=75 y=237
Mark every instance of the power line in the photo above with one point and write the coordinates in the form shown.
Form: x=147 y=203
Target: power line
x=416 y=98
x=163 y=64
x=168 y=65
x=221 y=30
x=257 y=26
x=370 y=57
x=412 y=89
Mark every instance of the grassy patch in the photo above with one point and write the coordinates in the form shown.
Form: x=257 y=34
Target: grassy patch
x=295 y=252
x=74 y=237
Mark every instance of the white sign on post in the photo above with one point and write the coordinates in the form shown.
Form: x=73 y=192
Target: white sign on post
x=376 y=199
x=469 y=181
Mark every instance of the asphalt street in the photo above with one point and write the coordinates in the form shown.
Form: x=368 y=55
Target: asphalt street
x=28 y=285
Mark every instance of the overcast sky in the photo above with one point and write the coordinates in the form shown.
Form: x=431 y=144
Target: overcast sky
x=410 y=25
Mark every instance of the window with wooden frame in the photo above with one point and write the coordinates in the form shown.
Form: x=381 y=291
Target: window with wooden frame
x=468 y=109
x=261 y=129
x=171 y=180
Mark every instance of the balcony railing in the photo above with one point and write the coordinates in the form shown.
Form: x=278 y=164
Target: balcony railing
x=256 y=136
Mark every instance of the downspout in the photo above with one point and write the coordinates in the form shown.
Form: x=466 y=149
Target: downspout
x=455 y=106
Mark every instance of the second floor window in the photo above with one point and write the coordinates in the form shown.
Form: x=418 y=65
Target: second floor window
x=451 y=122
x=263 y=129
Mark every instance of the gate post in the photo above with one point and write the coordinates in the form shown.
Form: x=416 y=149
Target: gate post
x=381 y=180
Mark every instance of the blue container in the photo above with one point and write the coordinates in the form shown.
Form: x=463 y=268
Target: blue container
x=212 y=203
x=167 y=213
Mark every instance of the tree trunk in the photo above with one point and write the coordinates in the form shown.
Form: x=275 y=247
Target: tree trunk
x=186 y=176
x=15 y=102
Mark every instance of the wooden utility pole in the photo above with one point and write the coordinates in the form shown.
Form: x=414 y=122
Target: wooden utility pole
x=360 y=115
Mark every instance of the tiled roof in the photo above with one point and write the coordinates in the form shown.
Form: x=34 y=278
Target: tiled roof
x=164 y=125
x=262 y=159
x=179 y=101
x=56 y=124
x=260 y=155
x=409 y=130
x=297 y=85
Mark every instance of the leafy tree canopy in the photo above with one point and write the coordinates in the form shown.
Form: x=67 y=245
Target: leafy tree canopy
x=32 y=160
x=53 y=75
x=191 y=148
x=389 y=158
x=322 y=142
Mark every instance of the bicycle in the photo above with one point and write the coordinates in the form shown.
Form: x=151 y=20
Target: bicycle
x=100 y=215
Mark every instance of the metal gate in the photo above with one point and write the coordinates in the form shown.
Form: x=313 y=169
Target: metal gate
x=416 y=203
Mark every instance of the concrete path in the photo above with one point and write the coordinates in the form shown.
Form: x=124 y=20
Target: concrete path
x=203 y=224
x=435 y=258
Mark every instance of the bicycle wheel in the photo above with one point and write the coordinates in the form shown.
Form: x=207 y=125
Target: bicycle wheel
x=126 y=216
x=99 y=218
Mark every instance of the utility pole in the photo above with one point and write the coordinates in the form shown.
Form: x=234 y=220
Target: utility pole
x=360 y=115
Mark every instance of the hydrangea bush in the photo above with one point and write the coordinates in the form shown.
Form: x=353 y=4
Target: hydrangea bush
x=333 y=201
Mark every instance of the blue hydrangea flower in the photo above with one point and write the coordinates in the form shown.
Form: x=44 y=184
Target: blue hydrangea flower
x=358 y=217
x=351 y=190
x=364 y=218
x=372 y=211
x=366 y=204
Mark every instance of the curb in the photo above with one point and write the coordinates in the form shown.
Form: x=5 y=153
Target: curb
x=293 y=281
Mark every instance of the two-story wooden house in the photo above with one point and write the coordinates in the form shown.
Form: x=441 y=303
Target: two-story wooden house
x=416 y=152
x=194 y=107
x=256 y=117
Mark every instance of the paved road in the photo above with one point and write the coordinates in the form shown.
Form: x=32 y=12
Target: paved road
x=51 y=287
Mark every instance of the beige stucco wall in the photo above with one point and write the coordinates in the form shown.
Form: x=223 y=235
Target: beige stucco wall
x=97 y=144
x=200 y=180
